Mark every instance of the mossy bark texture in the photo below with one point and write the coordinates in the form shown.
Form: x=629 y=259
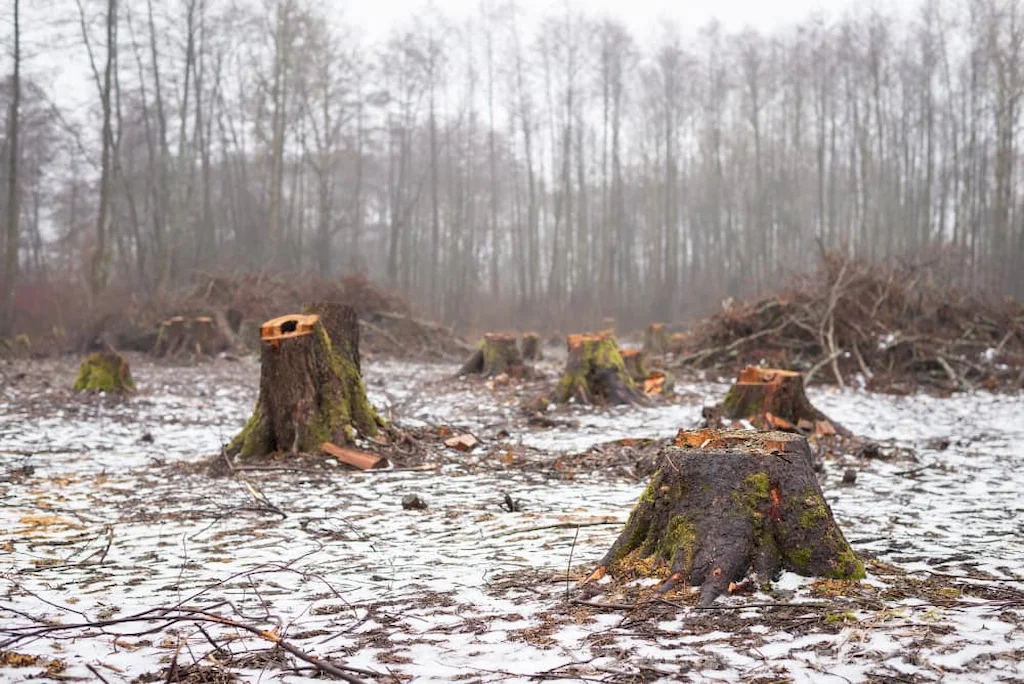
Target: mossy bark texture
x=531 y=347
x=104 y=372
x=497 y=354
x=595 y=372
x=726 y=502
x=311 y=389
x=773 y=399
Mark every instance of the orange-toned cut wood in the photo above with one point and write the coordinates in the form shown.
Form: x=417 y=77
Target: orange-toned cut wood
x=284 y=327
x=654 y=383
x=354 y=457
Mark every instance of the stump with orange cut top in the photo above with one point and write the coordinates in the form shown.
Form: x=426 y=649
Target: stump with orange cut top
x=774 y=399
x=724 y=503
x=311 y=389
x=595 y=372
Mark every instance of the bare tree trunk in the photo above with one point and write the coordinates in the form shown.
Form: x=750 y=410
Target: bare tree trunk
x=13 y=209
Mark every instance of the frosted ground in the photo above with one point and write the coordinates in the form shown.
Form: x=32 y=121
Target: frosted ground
x=99 y=522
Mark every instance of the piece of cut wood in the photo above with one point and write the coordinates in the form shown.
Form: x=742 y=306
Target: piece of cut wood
x=354 y=457
x=464 y=442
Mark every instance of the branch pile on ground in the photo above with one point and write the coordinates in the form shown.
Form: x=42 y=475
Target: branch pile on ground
x=898 y=326
x=238 y=303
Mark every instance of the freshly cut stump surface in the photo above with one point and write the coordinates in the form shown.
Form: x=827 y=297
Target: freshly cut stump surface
x=496 y=354
x=772 y=398
x=104 y=372
x=311 y=390
x=725 y=502
x=595 y=371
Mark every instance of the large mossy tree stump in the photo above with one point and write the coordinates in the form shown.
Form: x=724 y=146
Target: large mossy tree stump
x=725 y=502
x=531 y=347
x=496 y=354
x=655 y=339
x=104 y=372
x=770 y=398
x=595 y=371
x=311 y=388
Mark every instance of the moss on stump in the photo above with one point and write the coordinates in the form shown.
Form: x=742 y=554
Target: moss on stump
x=104 y=372
x=726 y=502
x=496 y=354
x=311 y=389
x=595 y=371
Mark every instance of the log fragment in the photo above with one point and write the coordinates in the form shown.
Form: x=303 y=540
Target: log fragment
x=496 y=354
x=531 y=347
x=595 y=371
x=311 y=390
x=104 y=372
x=726 y=502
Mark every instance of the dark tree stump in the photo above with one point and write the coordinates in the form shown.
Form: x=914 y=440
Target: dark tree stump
x=725 y=502
x=655 y=339
x=104 y=372
x=496 y=354
x=773 y=399
x=531 y=347
x=635 y=361
x=311 y=390
x=595 y=372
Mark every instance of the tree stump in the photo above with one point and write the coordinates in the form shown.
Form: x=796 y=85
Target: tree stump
x=655 y=339
x=774 y=399
x=725 y=502
x=196 y=335
x=104 y=372
x=531 y=347
x=496 y=354
x=608 y=324
x=311 y=389
x=635 y=361
x=595 y=371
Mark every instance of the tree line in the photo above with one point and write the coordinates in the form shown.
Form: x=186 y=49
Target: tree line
x=504 y=167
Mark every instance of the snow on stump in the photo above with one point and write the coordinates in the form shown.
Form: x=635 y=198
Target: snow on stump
x=104 y=372
x=655 y=339
x=496 y=354
x=311 y=389
x=770 y=398
x=595 y=372
x=531 y=347
x=726 y=502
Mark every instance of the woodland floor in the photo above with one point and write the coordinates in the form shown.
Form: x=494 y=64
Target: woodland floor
x=99 y=520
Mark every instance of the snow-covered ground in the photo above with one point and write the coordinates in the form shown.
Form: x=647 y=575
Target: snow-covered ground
x=99 y=522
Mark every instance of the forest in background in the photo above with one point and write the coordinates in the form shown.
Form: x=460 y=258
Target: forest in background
x=501 y=170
